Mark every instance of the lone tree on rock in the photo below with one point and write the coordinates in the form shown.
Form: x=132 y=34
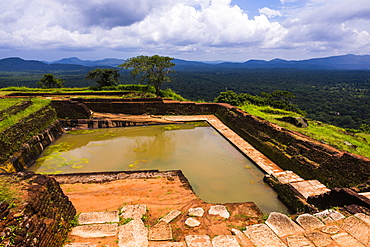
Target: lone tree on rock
x=104 y=77
x=49 y=81
x=153 y=69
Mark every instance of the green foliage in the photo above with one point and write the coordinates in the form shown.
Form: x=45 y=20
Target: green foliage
x=10 y=120
x=153 y=69
x=277 y=99
x=335 y=136
x=8 y=192
x=49 y=81
x=104 y=77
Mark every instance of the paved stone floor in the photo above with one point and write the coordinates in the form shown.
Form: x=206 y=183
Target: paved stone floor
x=327 y=228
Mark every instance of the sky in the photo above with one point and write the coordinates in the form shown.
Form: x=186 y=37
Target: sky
x=198 y=30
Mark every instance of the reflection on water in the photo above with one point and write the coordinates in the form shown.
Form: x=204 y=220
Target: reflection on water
x=217 y=171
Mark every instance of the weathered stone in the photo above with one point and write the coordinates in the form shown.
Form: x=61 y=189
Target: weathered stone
x=286 y=177
x=298 y=241
x=133 y=234
x=282 y=225
x=199 y=212
x=98 y=217
x=171 y=216
x=262 y=236
x=329 y=215
x=192 y=222
x=309 y=222
x=225 y=241
x=168 y=244
x=95 y=231
x=160 y=231
x=330 y=229
x=133 y=211
x=242 y=239
x=80 y=245
x=365 y=218
x=198 y=241
x=358 y=229
x=318 y=238
x=309 y=188
x=219 y=210
x=344 y=239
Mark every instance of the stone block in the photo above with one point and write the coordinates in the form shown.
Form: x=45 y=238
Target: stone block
x=160 y=232
x=98 y=217
x=262 y=236
x=192 y=222
x=133 y=211
x=219 y=210
x=198 y=241
x=282 y=225
x=199 y=212
x=319 y=238
x=171 y=216
x=242 y=239
x=344 y=239
x=309 y=222
x=333 y=229
x=365 y=218
x=95 y=231
x=299 y=241
x=358 y=229
x=225 y=241
x=133 y=234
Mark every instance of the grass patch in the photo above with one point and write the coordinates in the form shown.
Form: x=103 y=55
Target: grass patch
x=8 y=192
x=357 y=143
x=8 y=102
x=8 y=121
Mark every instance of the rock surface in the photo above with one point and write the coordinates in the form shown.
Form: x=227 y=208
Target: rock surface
x=282 y=225
x=219 y=210
x=133 y=234
x=98 y=217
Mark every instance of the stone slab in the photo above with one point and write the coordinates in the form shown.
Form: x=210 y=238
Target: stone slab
x=198 y=241
x=329 y=216
x=198 y=212
x=309 y=188
x=299 y=241
x=225 y=241
x=333 y=229
x=286 y=177
x=160 y=232
x=309 y=222
x=192 y=222
x=168 y=244
x=133 y=211
x=80 y=245
x=133 y=234
x=171 y=216
x=262 y=236
x=219 y=210
x=319 y=238
x=358 y=229
x=346 y=240
x=282 y=225
x=95 y=231
x=242 y=239
x=98 y=217
x=365 y=218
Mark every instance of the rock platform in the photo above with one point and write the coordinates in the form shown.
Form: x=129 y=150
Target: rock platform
x=327 y=228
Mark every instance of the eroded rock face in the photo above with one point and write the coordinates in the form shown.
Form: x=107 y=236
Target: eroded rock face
x=296 y=121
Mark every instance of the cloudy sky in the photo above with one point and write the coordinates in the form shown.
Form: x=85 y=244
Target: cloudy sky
x=203 y=30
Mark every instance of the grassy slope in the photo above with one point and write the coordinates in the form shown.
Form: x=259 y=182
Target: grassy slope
x=332 y=135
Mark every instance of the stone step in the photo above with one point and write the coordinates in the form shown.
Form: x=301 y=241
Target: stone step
x=358 y=229
x=133 y=211
x=262 y=236
x=95 y=231
x=98 y=217
x=282 y=225
x=133 y=234
x=225 y=241
x=198 y=241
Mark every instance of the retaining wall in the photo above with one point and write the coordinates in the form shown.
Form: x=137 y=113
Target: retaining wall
x=43 y=220
x=306 y=157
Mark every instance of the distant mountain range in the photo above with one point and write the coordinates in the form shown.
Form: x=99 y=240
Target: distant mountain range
x=345 y=62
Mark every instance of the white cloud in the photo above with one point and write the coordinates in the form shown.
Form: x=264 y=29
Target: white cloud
x=270 y=13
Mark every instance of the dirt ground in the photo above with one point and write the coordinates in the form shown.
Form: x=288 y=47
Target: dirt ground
x=160 y=195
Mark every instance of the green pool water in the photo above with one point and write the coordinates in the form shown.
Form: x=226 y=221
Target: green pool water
x=216 y=170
